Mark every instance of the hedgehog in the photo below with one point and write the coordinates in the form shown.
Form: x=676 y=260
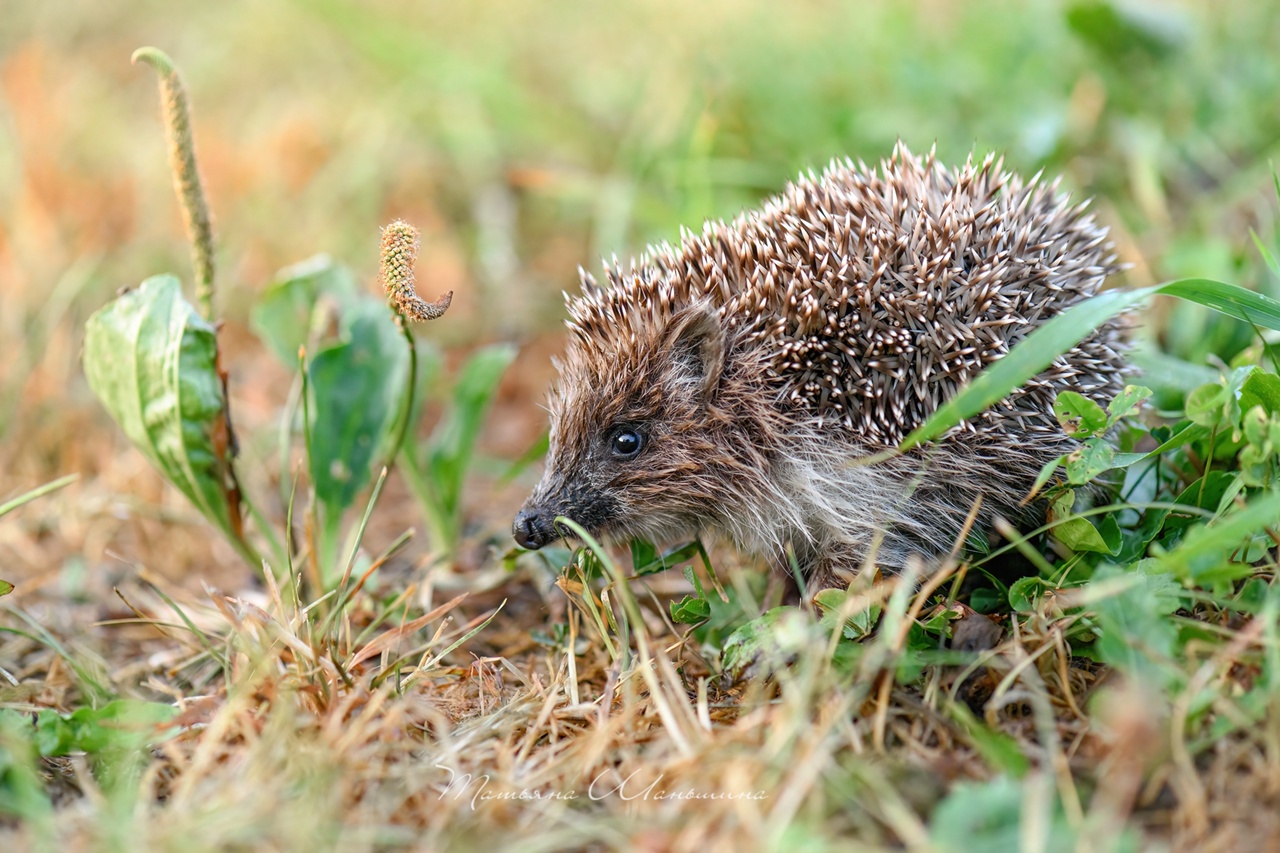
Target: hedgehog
x=751 y=383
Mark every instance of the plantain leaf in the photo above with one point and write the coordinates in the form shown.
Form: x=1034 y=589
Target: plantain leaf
x=449 y=450
x=283 y=316
x=355 y=385
x=153 y=362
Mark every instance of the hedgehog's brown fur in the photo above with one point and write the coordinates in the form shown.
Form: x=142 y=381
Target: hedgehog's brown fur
x=763 y=358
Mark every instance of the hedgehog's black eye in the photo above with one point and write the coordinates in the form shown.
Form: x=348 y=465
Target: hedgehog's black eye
x=625 y=443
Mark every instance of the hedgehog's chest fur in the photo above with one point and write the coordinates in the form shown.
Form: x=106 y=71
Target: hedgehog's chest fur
x=833 y=322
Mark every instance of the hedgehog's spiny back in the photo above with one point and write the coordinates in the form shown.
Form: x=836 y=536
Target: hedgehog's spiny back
x=874 y=297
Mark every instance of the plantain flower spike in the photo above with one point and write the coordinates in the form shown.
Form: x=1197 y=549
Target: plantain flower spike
x=399 y=251
x=186 y=175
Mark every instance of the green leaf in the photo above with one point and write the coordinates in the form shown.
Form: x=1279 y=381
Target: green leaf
x=690 y=610
x=647 y=561
x=153 y=362
x=122 y=724
x=1089 y=460
x=989 y=816
x=449 y=451
x=1261 y=389
x=1268 y=258
x=1136 y=634
x=1046 y=473
x=1025 y=592
x=1207 y=405
x=1079 y=416
x=355 y=386
x=1079 y=534
x=1122 y=32
x=1126 y=403
x=284 y=316
x=1001 y=751
x=1204 y=554
x=5 y=587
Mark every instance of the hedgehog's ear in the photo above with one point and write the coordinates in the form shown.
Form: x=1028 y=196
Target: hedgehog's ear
x=696 y=341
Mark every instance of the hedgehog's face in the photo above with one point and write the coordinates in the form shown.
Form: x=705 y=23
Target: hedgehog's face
x=637 y=435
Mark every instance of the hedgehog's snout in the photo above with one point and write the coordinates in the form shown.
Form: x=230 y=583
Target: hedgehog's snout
x=533 y=528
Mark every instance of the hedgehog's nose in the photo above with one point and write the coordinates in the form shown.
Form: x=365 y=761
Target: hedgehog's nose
x=531 y=529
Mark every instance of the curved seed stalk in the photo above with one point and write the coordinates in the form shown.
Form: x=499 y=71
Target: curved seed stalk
x=399 y=251
x=186 y=175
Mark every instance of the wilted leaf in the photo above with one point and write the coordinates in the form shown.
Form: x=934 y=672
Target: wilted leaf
x=153 y=362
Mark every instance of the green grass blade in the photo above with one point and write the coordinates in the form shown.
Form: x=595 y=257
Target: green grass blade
x=38 y=492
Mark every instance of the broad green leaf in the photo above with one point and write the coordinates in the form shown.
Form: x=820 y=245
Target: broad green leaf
x=153 y=362
x=1077 y=533
x=356 y=385
x=661 y=562
x=1025 y=592
x=1261 y=389
x=857 y=624
x=1207 y=405
x=690 y=610
x=5 y=587
x=122 y=724
x=449 y=450
x=1079 y=416
x=284 y=315
x=1126 y=403
x=1089 y=460
x=1229 y=299
x=1136 y=634
x=1204 y=554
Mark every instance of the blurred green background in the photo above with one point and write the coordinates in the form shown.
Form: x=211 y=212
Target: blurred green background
x=528 y=138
